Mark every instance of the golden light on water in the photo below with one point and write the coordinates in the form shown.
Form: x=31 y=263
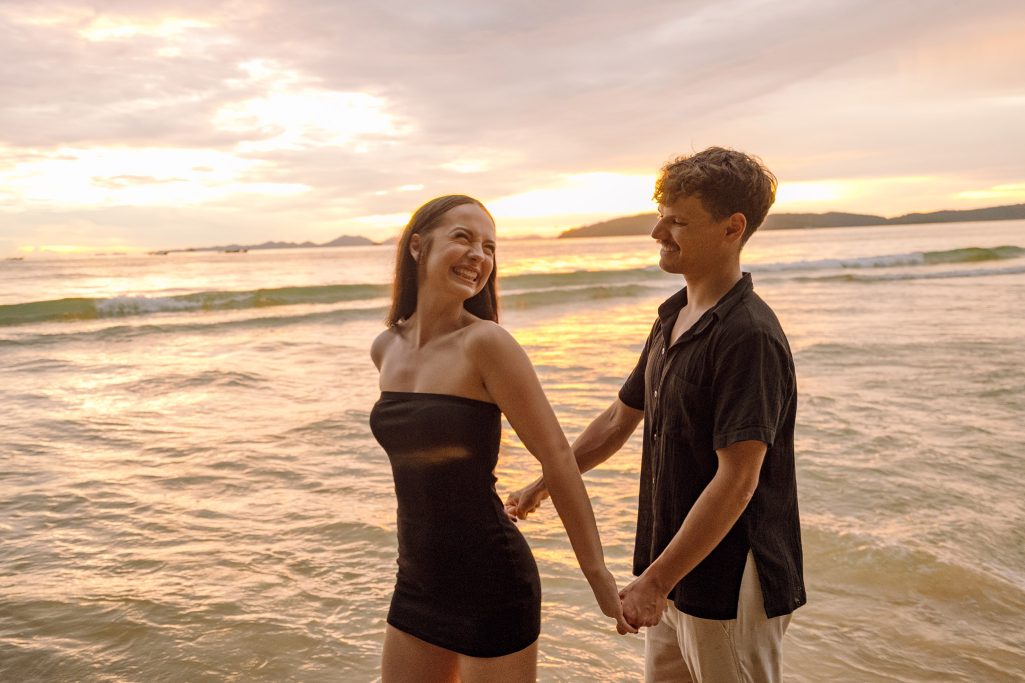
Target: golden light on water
x=550 y=557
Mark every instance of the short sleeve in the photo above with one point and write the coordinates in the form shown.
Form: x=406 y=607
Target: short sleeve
x=632 y=391
x=753 y=381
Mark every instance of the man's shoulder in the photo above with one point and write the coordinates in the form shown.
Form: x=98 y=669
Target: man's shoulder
x=752 y=314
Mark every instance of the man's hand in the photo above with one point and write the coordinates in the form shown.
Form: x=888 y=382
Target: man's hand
x=643 y=601
x=605 y=592
x=521 y=503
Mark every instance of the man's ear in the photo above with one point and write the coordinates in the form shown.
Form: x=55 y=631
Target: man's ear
x=415 y=246
x=735 y=227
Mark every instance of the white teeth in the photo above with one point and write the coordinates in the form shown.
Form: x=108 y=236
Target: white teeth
x=467 y=274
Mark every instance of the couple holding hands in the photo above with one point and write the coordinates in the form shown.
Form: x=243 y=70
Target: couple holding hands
x=717 y=556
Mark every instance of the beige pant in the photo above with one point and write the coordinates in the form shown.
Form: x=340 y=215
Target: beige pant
x=746 y=649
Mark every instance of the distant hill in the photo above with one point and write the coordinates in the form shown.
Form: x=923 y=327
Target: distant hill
x=831 y=219
x=994 y=213
x=343 y=241
x=641 y=224
x=348 y=241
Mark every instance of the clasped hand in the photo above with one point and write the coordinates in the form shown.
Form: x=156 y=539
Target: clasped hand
x=643 y=602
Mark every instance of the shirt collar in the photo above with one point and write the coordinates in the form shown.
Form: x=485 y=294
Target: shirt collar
x=670 y=309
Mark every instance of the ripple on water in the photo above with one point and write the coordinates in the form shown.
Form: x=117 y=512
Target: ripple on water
x=903 y=606
x=204 y=381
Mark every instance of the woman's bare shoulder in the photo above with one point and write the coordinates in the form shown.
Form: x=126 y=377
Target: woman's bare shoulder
x=485 y=339
x=382 y=342
x=486 y=332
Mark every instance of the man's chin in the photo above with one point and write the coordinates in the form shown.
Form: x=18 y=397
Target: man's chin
x=669 y=265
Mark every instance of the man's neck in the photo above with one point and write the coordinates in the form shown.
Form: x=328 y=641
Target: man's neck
x=702 y=294
x=705 y=290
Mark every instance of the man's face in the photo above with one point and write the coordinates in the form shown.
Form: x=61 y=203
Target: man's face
x=692 y=241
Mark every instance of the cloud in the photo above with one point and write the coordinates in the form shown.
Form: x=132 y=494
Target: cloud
x=318 y=111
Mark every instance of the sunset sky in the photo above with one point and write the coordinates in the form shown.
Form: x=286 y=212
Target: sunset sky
x=129 y=125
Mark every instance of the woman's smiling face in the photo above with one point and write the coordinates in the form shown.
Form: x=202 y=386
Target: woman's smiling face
x=461 y=251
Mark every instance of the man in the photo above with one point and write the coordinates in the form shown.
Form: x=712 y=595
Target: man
x=718 y=547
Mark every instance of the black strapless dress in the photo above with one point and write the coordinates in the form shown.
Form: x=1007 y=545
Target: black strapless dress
x=467 y=580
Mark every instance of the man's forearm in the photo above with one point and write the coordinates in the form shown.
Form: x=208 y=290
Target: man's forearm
x=601 y=439
x=605 y=435
x=597 y=443
x=714 y=513
x=709 y=520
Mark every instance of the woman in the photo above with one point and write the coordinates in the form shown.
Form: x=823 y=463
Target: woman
x=467 y=599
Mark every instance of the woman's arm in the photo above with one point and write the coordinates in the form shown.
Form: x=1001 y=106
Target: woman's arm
x=510 y=379
x=597 y=443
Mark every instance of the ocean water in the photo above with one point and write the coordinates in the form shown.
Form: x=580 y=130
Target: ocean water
x=189 y=490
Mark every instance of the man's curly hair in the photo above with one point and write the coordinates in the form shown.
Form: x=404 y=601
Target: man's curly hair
x=727 y=181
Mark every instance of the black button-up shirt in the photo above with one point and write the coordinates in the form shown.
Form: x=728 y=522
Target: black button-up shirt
x=728 y=378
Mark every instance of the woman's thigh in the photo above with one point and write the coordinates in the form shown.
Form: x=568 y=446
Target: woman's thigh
x=408 y=659
x=518 y=667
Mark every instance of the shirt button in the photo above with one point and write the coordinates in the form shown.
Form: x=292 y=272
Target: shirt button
x=655 y=395
x=654 y=436
x=663 y=350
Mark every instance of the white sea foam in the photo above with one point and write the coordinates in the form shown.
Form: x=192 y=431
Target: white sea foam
x=882 y=261
x=140 y=305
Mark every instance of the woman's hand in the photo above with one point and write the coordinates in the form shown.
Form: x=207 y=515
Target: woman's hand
x=521 y=503
x=607 y=594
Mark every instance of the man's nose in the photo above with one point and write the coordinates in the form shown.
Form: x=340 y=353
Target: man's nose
x=658 y=231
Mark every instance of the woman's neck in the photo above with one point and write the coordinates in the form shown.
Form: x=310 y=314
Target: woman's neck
x=435 y=317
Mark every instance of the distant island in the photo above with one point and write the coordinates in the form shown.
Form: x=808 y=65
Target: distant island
x=641 y=223
x=343 y=241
